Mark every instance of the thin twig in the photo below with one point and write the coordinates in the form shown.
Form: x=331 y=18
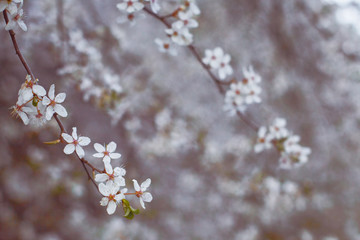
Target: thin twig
x=61 y=125
x=17 y=50
x=196 y=54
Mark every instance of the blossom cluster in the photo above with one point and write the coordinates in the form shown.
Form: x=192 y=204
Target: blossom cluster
x=179 y=33
x=292 y=153
x=36 y=106
x=216 y=59
x=111 y=180
x=14 y=8
x=33 y=106
x=243 y=93
x=133 y=6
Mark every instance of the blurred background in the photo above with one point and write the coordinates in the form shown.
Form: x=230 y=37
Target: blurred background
x=166 y=116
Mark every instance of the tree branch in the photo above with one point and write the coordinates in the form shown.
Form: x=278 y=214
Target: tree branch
x=29 y=72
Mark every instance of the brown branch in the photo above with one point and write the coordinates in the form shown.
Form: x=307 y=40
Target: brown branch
x=218 y=82
x=61 y=125
x=17 y=50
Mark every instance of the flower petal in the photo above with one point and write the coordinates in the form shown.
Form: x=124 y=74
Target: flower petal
x=60 y=97
x=104 y=189
x=51 y=93
x=74 y=133
x=39 y=90
x=111 y=147
x=80 y=151
x=69 y=149
x=84 y=141
x=59 y=109
x=49 y=112
x=142 y=203
x=99 y=148
x=111 y=207
x=115 y=155
x=101 y=177
x=145 y=184
x=147 y=197
x=45 y=101
x=67 y=137
x=136 y=185
x=98 y=155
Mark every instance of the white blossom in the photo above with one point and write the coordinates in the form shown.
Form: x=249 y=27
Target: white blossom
x=263 y=141
x=191 y=5
x=278 y=128
x=250 y=76
x=213 y=57
x=164 y=46
x=16 y=19
x=111 y=194
x=106 y=152
x=75 y=143
x=20 y=110
x=140 y=191
x=180 y=36
x=130 y=6
x=186 y=20
x=29 y=88
x=10 y=5
x=53 y=103
x=114 y=175
x=224 y=67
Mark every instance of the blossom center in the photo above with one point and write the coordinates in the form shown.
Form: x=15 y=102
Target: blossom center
x=106 y=153
x=166 y=45
x=237 y=92
x=111 y=197
x=76 y=142
x=245 y=81
x=261 y=140
x=130 y=3
x=138 y=193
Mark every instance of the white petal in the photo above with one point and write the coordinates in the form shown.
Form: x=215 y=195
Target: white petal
x=111 y=207
x=51 y=93
x=145 y=184
x=119 y=171
x=104 y=201
x=27 y=94
x=101 y=177
x=111 y=147
x=60 y=97
x=104 y=189
x=69 y=149
x=24 y=117
x=108 y=168
x=45 y=101
x=147 y=197
x=120 y=181
x=115 y=155
x=59 y=109
x=22 y=25
x=106 y=159
x=67 y=137
x=98 y=155
x=49 y=112
x=74 y=133
x=84 y=141
x=119 y=197
x=142 y=203
x=99 y=148
x=136 y=185
x=80 y=151
x=39 y=90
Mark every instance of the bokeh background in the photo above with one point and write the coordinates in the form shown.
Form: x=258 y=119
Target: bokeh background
x=166 y=116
